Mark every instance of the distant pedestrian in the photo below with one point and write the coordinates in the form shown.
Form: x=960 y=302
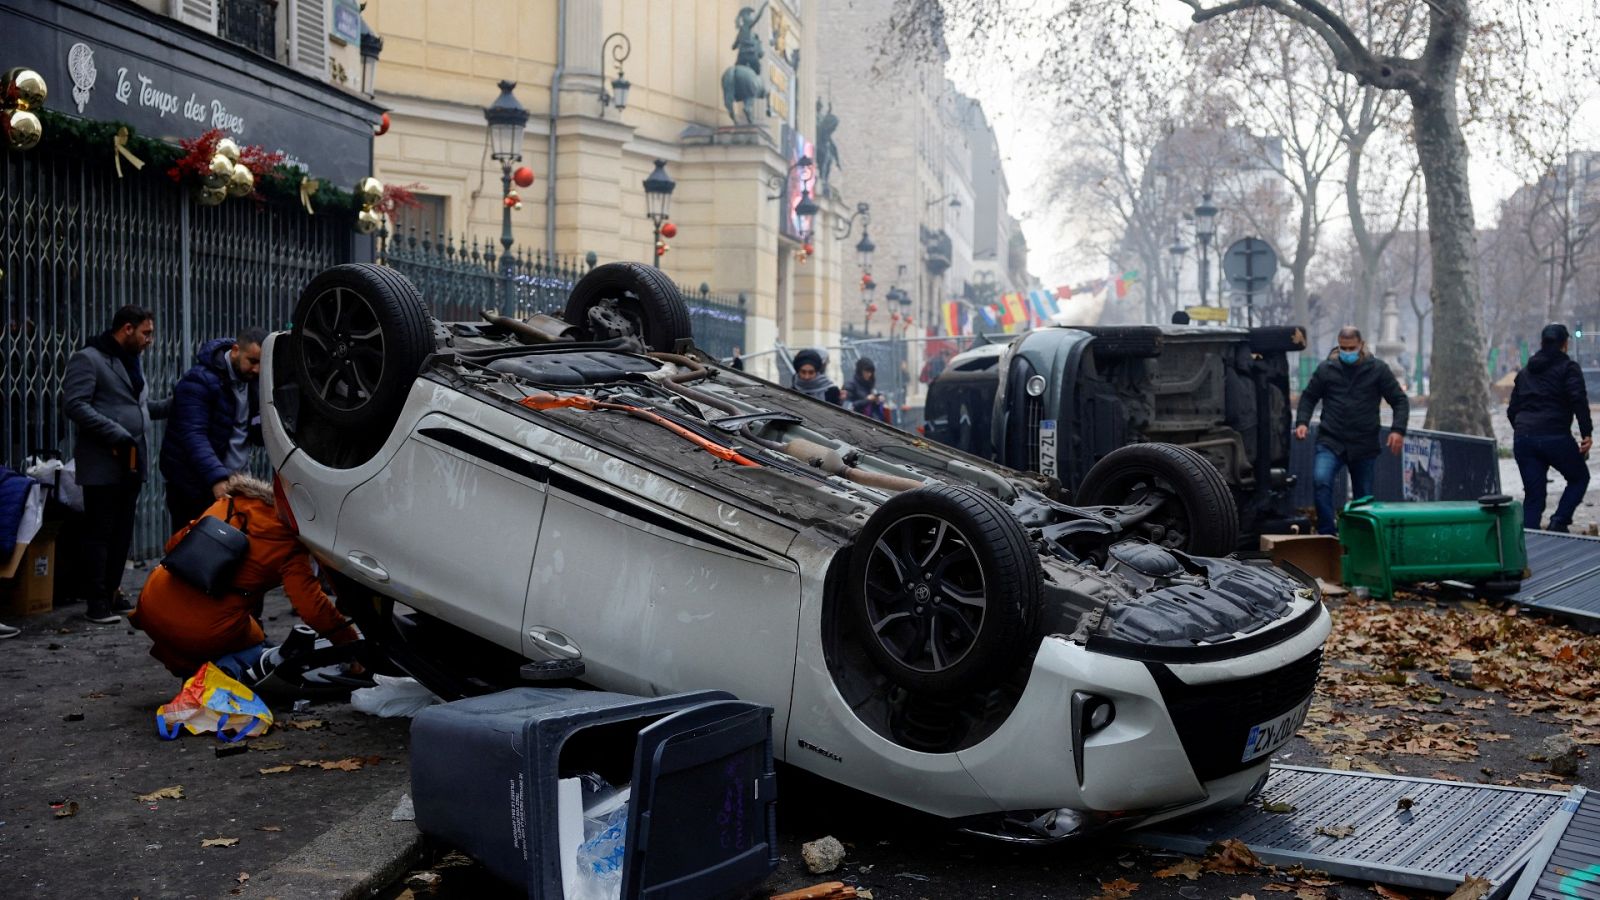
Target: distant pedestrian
x=811 y=377
x=1545 y=398
x=105 y=395
x=216 y=418
x=861 y=392
x=1349 y=384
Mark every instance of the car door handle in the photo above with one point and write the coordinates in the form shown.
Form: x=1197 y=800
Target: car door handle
x=368 y=566
x=554 y=643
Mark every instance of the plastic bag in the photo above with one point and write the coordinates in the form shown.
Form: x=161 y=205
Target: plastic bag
x=212 y=701
x=63 y=476
x=601 y=855
x=392 y=697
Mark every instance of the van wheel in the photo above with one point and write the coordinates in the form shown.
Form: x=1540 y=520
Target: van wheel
x=625 y=298
x=361 y=333
x=944 y=589
x=1198 y=514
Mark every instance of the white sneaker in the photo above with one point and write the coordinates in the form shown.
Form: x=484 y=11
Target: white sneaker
x=8 y=631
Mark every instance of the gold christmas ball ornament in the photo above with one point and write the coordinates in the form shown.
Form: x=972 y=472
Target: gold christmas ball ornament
x=210 y=196
x=241 y=182
x=227 y=149
x=369 y=191
x=24 y=89
x=218 y=172
x=368 y=220
x=22 y=129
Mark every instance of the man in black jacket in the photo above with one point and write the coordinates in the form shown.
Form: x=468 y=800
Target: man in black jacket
x=1546 y=397
x=1349 y=384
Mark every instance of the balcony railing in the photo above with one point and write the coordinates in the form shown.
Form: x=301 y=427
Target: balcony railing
x=250 y=23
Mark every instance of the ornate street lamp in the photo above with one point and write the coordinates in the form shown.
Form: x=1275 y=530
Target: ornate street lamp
x=508 y=121
x=807 y=210
x=1205 y=228
x=620 y=48
x=371 y=48
x=864 y=250
x=1177 y=250
x=658 y=200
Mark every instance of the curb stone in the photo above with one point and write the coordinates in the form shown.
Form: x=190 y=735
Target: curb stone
x=351 y=861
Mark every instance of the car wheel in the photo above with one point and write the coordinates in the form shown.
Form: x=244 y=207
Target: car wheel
x=944 y=589
x=1198 y=516
x=625 y=298
x=361 y=334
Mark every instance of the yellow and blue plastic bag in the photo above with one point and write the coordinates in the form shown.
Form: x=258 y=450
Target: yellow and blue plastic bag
x=211 y=700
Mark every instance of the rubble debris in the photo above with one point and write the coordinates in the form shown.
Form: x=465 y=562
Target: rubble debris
x=822 y=855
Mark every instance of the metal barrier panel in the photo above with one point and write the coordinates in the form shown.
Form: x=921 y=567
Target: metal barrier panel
x=76 y=243
x=1434 y=465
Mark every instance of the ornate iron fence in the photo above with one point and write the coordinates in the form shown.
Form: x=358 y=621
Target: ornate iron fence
x=76 y=243
x=459 y=280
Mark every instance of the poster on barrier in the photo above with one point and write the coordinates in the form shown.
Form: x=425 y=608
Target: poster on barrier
x=1422 y=468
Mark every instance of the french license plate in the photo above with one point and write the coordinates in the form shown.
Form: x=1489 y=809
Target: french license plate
x=1274 y=733
x=1047 y=447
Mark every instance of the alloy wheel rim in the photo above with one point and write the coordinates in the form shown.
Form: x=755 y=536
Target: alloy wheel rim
x=345 y=356
x=925 y=593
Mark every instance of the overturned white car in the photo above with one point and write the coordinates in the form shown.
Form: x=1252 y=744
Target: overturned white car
x=590 y=496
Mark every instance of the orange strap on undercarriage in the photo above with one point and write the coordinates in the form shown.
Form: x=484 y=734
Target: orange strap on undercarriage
x=551 y=401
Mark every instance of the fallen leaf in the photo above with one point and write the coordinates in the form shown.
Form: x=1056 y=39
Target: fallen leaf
x=243 y=877
x=1337 y=831
x=1121 y=889
x=1278 y=887
x=1277 y=807
x=219 y=842
x=1311 y=893
x=1244 y=897
x=302 y=724
x=269 y=827
x=1189 y=869
x=1231 y=857
x=1474 y=888
x=1387 y=893
x=70 y=808
x=275 y=770
x=270 y=743
x=167 y=793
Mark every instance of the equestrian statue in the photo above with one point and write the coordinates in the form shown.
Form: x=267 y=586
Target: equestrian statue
x=742 y=81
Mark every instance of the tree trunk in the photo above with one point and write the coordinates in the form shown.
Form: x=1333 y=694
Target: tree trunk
x=1366 y=278
x=1460 y=401
x=1305 y=247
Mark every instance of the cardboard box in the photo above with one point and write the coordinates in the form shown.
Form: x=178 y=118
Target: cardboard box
x=32 y=589
x=1318 y=555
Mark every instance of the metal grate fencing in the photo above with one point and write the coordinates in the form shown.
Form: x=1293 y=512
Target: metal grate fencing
x=76 y=243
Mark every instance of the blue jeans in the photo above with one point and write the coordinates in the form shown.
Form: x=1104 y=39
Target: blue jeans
x=1536 y=455
x=236 y=662
x=1328 y=464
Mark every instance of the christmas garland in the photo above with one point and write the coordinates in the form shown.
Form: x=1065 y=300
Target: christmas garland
x=274 y=180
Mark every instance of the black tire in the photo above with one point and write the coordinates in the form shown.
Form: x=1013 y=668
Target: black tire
x=646 y=301
x=1200 y=518
x=1277 y=339
x=1126 y=341
x=1493 y=501
x=361 y=333
x=977 y=600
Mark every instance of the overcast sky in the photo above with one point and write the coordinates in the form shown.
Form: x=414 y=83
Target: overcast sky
x=1029 y=152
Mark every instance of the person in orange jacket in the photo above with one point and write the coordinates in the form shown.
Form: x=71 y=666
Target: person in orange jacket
x=191 y=628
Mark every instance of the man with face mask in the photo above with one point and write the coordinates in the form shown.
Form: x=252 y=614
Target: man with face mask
x=1349 y=384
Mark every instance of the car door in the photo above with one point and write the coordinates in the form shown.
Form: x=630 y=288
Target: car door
x=449 y=526
x=656 y=599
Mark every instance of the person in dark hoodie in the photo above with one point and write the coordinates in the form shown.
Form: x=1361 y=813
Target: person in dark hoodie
x=861 y=392
x=1545 y=398
x=1349 y=384
x=811 y=377
x=105 y=395
x=216 y=417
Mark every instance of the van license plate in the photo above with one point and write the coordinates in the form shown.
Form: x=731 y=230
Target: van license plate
x=1047 y=447
x=1274 y=733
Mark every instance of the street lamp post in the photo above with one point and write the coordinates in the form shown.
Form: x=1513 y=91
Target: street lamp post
x=371 y=48
x=658 y=202
x=1205 y=228
x=1177 y=250
x=619 y=48
x=508 y=121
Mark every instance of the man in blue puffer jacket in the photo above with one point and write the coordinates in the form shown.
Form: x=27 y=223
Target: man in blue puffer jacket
x=215 y=417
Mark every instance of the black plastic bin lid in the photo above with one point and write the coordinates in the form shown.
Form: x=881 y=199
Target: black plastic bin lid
x=703 y=817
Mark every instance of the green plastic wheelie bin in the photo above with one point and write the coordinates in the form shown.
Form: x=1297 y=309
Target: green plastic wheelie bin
x=1387 y=544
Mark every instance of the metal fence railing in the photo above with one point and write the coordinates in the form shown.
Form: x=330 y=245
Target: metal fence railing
x=461 y=279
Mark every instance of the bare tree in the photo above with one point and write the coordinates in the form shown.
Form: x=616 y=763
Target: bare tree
x=1427 y=72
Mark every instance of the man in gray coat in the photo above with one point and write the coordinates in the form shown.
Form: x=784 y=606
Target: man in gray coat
x=105 y=396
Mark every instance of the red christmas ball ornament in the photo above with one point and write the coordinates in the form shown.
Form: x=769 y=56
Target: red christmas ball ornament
x=669 y=230
x=523 y=176
x=872 y=308
x=809 y=249
x=662 y=248
x=510 y=200
x=383 y=125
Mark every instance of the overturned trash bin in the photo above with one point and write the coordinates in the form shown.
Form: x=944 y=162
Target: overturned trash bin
x=701 y=818
x=1388 y=544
